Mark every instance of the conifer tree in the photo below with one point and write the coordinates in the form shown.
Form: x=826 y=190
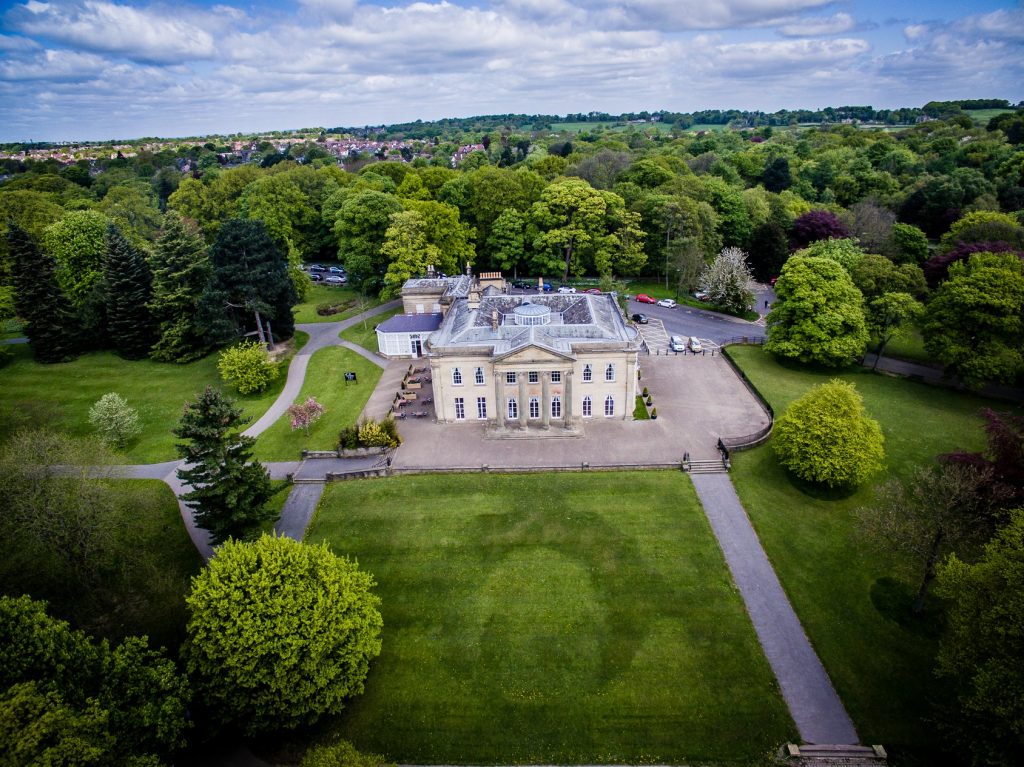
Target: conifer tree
x=180 y=273
x=230 y=490
x=49 y=319
x=249 y=278
x=127 y=284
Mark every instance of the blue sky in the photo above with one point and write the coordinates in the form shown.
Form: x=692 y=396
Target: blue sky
x=105 y=69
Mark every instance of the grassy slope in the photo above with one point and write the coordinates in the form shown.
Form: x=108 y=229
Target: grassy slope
x=323 y=294
x=881 y=669
x=62 y=394
x=343 y=404
x=367 y=337
x=551 y=619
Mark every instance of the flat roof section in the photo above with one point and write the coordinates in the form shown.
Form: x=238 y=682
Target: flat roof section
x=411 y=323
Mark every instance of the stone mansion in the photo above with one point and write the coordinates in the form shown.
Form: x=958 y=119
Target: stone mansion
x=540 y=363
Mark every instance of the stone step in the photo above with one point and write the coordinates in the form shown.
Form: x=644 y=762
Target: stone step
x=706 y=467
x=835 y=755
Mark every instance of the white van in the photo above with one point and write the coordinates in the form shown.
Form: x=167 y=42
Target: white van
x=677 y=344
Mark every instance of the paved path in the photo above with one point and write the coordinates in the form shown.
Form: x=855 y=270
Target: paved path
x=813 y=703
x=298 y=510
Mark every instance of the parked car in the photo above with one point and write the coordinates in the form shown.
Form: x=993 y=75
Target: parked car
x=643 y=298
x=316 y=277
x=677 y=344
x=337 y=270
x=640 y=319
x=336 y=279
x=316 y=268
x=548 y=287
x=522 y=284
x=593 y=291
x=695 y=345
x=700 y=295
x=668 y=303
x=772 y=281
x=566 y=289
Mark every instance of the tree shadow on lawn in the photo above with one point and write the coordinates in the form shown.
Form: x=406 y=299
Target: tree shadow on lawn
x=893 y=599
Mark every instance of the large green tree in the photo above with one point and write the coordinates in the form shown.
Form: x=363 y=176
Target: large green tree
x=569 y=221
x=79 y=244
x=250 y=285
x=280 y=634
x=67 y=699
x=980 y=652
x=407 y=250
x=230 y=490
x=818 y=314
x=181 y=270
x=360 y=227
x=49 y=321
x=974 y=324
x=826 y=437
x=128 y=286
x=889 y=315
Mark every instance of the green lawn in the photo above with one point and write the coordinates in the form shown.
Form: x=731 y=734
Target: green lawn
x=342 y=403
x=322 y=294
x=982 y=116
x=551 y=618
x=842 y=589
x=367 y=337
x=60 y=395
x=908 y=347
x=155 y=561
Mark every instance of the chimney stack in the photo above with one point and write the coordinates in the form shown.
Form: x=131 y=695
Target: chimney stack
x=494 y=319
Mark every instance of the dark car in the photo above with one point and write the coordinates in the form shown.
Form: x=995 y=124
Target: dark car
x=337 y=270
x=640 y=319
x=548 y=287
x=522 y=284
x=316 y=268
x=316 y=277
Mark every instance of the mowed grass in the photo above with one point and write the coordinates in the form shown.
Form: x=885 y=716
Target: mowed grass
x=551 y=618
x=60 y=395
x=842 y=588
x=325 y=380
x=324 y=294
x=367 y=337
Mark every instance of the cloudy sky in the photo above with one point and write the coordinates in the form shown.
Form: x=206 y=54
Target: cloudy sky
x=103 y=69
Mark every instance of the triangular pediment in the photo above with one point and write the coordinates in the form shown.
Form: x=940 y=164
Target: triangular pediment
x=533 y=353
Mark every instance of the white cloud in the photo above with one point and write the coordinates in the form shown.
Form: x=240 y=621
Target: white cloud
x=793 y=57
x=60 y=66
x=95 y=25
x=13 y=43
x=700 y=14
x=815 y=26
x=337 y=9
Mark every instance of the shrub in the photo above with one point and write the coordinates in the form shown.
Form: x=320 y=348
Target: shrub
x=372 y=435
x=654 y=412
x=349 y=438
x=115 y=422
x=826 y=437
x=646 y=393
x=341 y=754
x=391 y=430
x=6 y=354
x=248 y=366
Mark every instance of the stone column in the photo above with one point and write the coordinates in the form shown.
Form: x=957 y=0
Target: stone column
x=567 y=406
x=545 y=400
x=499 y=395
x=524 y=413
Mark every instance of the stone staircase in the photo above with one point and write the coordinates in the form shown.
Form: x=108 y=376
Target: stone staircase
x=717 y=466
x=819 y=755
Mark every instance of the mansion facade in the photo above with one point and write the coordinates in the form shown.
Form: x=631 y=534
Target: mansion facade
x=524 y=362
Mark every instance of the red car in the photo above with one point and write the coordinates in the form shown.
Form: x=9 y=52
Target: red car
x=593 y=291
x=643 y=298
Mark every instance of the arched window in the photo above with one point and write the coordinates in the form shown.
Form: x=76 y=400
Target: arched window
x=587 y=407
x=534 y=407
x=609 y=372
x=609 y=405
x=588 y=374
x=513 y=409
x=556 y=407
x=456 y=377
x=479 y=376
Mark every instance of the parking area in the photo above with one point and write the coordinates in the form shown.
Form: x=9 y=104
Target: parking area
x=699 y=399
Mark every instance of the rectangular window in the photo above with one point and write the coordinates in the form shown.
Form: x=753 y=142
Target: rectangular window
x=556 y=407
x=609 y=372
x=556 y=376
x=456 y=377
x=481 y=408
x=534 y=376
x=510 y=378
x=534 y=407
x=478 y=376
x=513 y=409
x=460 y=409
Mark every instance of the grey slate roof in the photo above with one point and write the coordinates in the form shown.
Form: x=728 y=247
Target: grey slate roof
x=410 y=323
x=576 y=321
